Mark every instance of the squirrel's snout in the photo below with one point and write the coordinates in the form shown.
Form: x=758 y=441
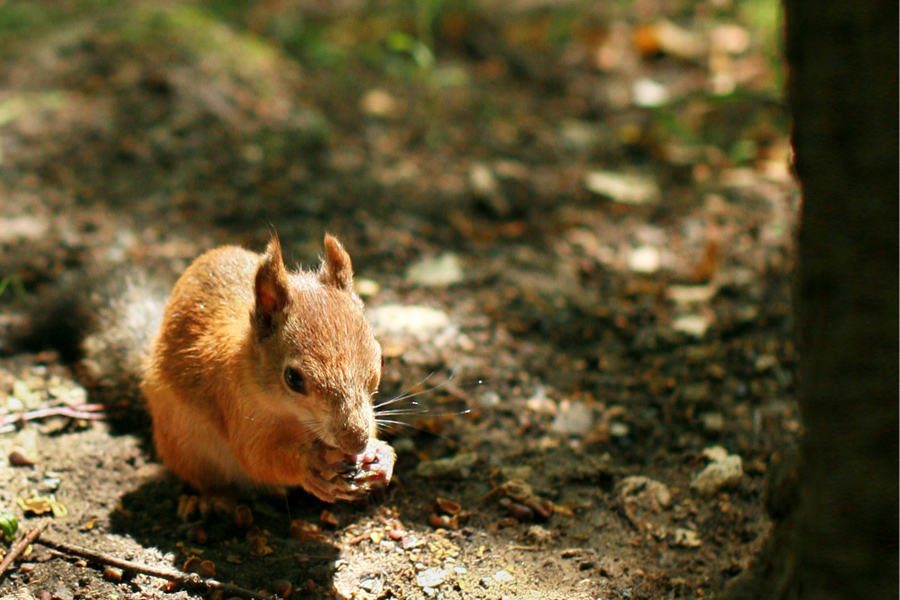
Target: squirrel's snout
x=353 y=442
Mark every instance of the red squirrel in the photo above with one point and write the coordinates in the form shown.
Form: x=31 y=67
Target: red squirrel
x=256 y=376
x=263 y=376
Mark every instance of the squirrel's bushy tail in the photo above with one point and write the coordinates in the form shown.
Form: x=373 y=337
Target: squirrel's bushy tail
x=102 y=324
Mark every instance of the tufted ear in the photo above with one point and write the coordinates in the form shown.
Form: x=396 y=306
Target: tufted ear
x=336 y=270
x=272 y=289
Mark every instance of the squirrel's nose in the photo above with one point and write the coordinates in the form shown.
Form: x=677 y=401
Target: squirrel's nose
x=353 y=439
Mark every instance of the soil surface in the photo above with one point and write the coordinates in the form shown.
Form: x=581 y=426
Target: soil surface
x=575 y=245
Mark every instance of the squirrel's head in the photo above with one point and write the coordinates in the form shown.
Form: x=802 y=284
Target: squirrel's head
x=317 y=347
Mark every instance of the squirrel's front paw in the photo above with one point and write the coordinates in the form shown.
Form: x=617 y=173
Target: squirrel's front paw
x=338 y=476
x=375 y=466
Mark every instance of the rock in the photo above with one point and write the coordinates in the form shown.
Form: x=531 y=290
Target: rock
x=371 y=584
x=687 y=538
x=503 y=577
x=379 y=103
x=366 y=288
x=63 y=593
x=677 y=41
x=645 y=259
x=538 y=535
x=16 y=229
x=623 y=188
x=765 y=362
x=617 y=429
x=436 y=272
x=454 y=467
x=432 y=577
x=647 y=93
x=713 y=422
x=725 y=471
x=731 y=39
x=692 y=325
x=644 y=493
x=398 y=319
x=573 y=418
x=482 y=181
x=691 y=294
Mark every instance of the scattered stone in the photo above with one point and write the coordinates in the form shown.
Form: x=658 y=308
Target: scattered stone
x=482 y=181
x=371 y=584
x=645 y=493
x=540 y=403
x=623 y=188
x=730 y=38
x=573 y=418
x=538 y=535
x=713 y=422
x=398 y=319
x=725 y=471
x=503 y=576
x=691 y=294
x=436 y=272
x=645 y=259
x=16 y=229
x=647 y=93
x=379 y=103
x=765 y=362
x=693 y=325
x=677 y=41
x=454 y=467
x=617 y=429
x=432 y=577
x=489 y=399
x=687 y=538
x=366 y=288
x=63 y=593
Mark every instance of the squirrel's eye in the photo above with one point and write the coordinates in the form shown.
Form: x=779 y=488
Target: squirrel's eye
x=294 y=380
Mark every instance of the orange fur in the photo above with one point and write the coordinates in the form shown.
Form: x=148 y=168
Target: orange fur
x=222 y=412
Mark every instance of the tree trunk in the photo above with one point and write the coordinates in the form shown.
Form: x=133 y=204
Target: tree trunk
x=843 y=96
x=840 y=537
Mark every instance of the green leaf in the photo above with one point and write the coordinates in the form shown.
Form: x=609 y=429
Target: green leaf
x=9 y=524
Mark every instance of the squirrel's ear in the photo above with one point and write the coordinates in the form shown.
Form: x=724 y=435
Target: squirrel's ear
x=336 y=270
x=272 y=287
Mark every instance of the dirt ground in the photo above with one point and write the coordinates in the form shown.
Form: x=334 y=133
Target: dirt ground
x=570 y=239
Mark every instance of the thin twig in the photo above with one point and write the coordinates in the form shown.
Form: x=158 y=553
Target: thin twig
x=87 y=412
x=188 y=580
x=23 y=543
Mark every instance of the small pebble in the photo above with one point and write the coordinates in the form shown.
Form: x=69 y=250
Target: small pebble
x=503 y=577
x=645 y=259
x=436 y=272
x=623 y=188
x=432 y=577
x=722 y=473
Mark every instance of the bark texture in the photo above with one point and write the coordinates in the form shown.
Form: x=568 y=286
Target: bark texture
x=843 y=96
x=835 y=527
